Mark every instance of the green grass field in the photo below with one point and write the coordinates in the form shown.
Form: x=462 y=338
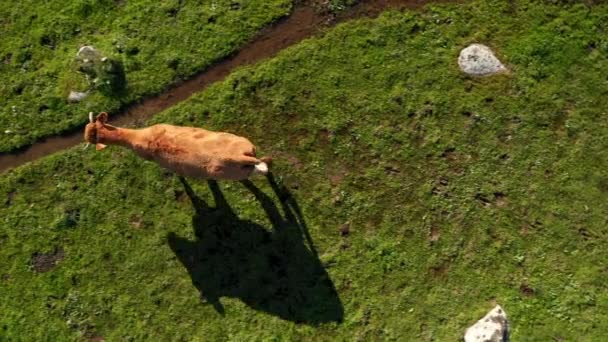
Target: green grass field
x=458 y=193
x=157 y=44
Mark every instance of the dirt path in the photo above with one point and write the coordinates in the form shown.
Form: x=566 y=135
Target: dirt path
x=304 y=22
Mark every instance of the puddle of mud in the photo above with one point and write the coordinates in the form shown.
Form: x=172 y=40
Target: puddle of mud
x=44 y=262
x=304 y=22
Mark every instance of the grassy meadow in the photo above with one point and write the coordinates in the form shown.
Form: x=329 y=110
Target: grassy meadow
x=407 y=199
x=155 y=43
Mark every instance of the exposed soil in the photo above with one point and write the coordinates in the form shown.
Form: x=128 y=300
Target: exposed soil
x=44 y=262
x=9 y=199
x=441 y=187
x=450 y=154
x=434 y=236
x=526 y=290
x=391 y=170
x=136 y=221
x=337 y=178
x=345 y=229
x=305 y=21
x=324 y=137
x=180 y=196
x=294 y=161
x=500 y=199
x=440 y=271
x=530 y=227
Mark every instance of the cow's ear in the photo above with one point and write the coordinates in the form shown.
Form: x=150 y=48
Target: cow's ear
x=102 y=118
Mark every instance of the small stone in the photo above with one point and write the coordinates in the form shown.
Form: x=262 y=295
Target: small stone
x=76 y=96
x=493 y=327
x=479 y=60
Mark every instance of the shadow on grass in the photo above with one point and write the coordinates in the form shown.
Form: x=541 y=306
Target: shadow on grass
x=276 y=271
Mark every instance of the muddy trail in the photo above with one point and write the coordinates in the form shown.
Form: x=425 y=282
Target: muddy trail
x=307 y=19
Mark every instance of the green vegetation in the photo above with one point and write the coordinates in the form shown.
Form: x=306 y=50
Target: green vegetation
x=457 y=192
x=157 y=44
x=334 y=6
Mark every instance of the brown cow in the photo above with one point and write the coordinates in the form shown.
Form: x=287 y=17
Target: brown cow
x=188 y=151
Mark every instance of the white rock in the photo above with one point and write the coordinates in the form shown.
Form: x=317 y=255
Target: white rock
x=494 y=327
x=76 y=96
x=479 y=60
x=88 y=52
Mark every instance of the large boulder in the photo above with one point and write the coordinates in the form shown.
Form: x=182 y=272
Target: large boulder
x=494 y=327
x=479 y=60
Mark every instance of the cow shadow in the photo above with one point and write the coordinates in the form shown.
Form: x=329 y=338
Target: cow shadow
x=276 y=270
